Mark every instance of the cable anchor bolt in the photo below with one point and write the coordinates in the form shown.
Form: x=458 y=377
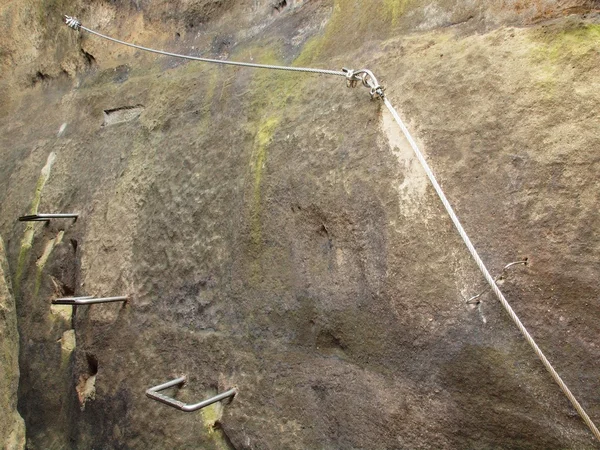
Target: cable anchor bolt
x=72 y=22
x=367 y=78
x=475 y=299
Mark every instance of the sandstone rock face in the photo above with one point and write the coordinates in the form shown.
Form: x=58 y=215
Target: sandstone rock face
x=275 y=233
x=12 y=427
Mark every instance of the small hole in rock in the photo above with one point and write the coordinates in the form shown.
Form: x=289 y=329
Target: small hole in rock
x=279 y=5
x=89 y=58
x=92 y=364
x=323 y=230
x=39 y=77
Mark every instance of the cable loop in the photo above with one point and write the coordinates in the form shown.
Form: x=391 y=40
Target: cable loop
x=72 y=22
x=367 y=78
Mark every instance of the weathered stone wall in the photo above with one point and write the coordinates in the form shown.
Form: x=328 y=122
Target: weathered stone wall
x=276 y=234
x=12 y=428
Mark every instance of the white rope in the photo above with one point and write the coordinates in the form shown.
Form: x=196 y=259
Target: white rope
x=487 y=275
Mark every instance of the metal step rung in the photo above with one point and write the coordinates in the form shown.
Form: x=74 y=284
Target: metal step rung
x=47 y=217
x=88 y=300
x=154 y=395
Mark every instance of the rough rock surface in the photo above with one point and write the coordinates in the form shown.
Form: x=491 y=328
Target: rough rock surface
x=275 y=232
x=12 y=427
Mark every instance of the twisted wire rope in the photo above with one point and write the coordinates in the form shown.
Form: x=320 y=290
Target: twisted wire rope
x=76 y=25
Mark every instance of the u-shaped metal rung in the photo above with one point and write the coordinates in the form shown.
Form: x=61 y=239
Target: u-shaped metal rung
x=47 y=217
x=154 y=395
x=88 y=300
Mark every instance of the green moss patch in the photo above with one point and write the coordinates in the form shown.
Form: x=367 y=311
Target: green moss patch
x=27 y=240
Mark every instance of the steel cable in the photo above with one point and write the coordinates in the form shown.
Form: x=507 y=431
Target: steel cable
x=486 y=273
x=76 y=25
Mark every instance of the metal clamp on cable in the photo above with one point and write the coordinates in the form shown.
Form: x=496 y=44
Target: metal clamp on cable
x=72 y=22
x=367 y=78
x=47 y=217
x=154 y=395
